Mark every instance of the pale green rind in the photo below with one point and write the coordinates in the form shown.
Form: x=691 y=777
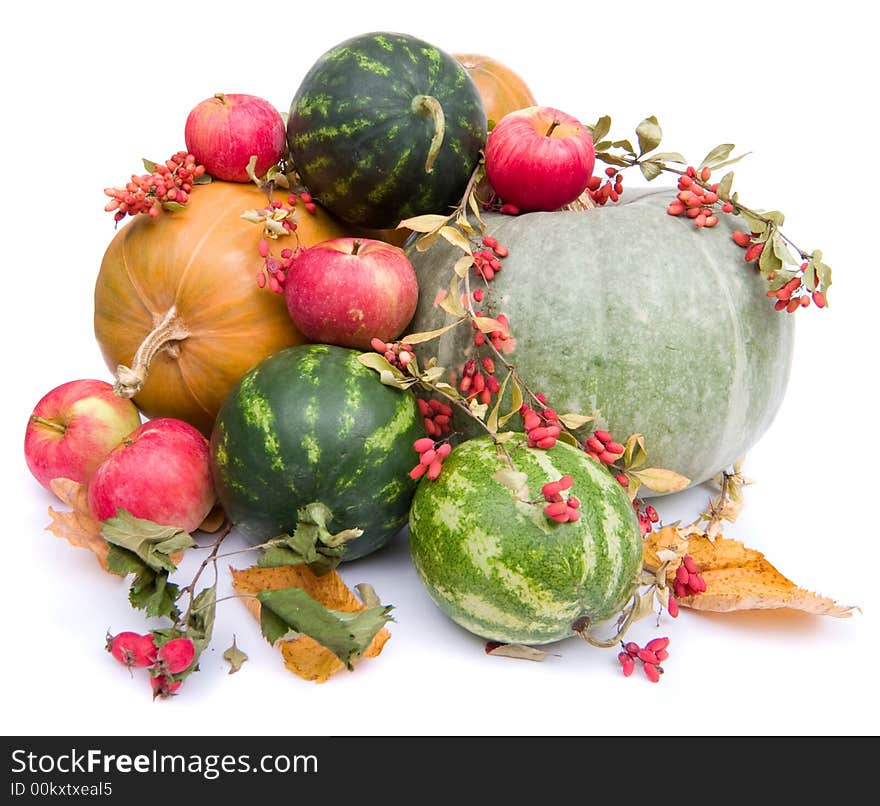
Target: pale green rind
x=661 y=326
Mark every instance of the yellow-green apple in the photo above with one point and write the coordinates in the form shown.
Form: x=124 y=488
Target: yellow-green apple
x=347 y=291
x=225 y=131
x=159 y=472
x=73 y=427
x=539 y=158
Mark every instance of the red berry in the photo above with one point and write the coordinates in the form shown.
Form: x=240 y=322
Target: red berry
x=656 y=644
x=423 y=444
x=434 y=469
x=132 y=649
x=417 y=472
x=627 y=663
x=652 y=672
x=176 y=656
x=603 y=436
x=163 y=687
x=672 y=607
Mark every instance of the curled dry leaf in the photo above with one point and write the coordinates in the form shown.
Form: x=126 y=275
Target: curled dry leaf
x=77 y=526
x=303 y=655
x=520 y=651
x=737 y=577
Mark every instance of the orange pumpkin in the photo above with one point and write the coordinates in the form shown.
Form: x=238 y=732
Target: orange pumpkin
x=501 y=89
x=178 y=314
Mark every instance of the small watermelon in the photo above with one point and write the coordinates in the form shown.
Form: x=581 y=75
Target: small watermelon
x=312 y=424
x=497 y=565
x=385 y=126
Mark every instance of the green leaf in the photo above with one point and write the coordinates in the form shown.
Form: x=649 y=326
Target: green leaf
x=204 y=179
x=650 y=169
x=462 y=265
x=311 y=543
x=781 y=250
x=649 y=134
x=346 y=635
x=451 y=303
x=234 y=657
x=152 y=592
x=775 y=216
x=492 y=419
x=611 y=159
x=123 y=562
x=769 y=261
x=173 y=206
x=600 y=128
x=755 y=224
x=378 y=362
x=149 y=166
x=489 y=325
x=516 y=400
x=724 y=186
x=625 y=145
x=634 y=453
x=200 y=619
x=568 y=439
x=669 y=156
x=151 y=542
x=717 y=155
x=724 y=164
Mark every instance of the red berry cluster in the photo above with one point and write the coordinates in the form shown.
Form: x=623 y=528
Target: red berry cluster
x=647 y=516
x=280 y=220
x=697 y=200
x=542 y=428
x=396 y=353
x=164 y=664
x=487 y=261
x=171 y=181
x=688 y=580
x=431 y=456
x=500 y=339
x=436 y=415
x=602 y=446
x=559 y=509
x=612 y=188
x=474 y=383
x=651 y=655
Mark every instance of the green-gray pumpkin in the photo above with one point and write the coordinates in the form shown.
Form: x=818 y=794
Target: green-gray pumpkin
x=662 y=327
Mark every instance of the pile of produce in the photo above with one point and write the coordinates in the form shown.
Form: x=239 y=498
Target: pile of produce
x=330 y=327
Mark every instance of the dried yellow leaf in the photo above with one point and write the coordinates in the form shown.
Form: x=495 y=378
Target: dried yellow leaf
x=77 y=526
x=303 y=655
x=740 y=578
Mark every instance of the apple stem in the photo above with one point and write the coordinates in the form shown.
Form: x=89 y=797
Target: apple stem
x=220 y=97
x=167 y=331
x=553 y=125
x=355 y=246
x=48 y=423
x=426 y=105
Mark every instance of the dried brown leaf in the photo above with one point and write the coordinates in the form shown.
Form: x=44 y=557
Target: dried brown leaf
x=303 y=655
x=77 y=526
x=740 y=578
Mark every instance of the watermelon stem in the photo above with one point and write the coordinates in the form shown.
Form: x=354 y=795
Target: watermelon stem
x=428 y=105
x=167 y=331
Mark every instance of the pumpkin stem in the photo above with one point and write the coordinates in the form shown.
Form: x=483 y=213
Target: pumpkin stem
x=426 y=105
x=582 y=202
x=169 y=329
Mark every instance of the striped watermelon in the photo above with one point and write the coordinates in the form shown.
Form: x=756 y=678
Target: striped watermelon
x=310 y=423
x=366 y=137
x=499 y=567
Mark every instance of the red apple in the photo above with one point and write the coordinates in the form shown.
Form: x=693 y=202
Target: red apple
x=159 y=472
x=73 y=427
x=539 y=158
x=346 y=291
x=225 y=131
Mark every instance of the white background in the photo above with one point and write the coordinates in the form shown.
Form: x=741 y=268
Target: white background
x=90 y=89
